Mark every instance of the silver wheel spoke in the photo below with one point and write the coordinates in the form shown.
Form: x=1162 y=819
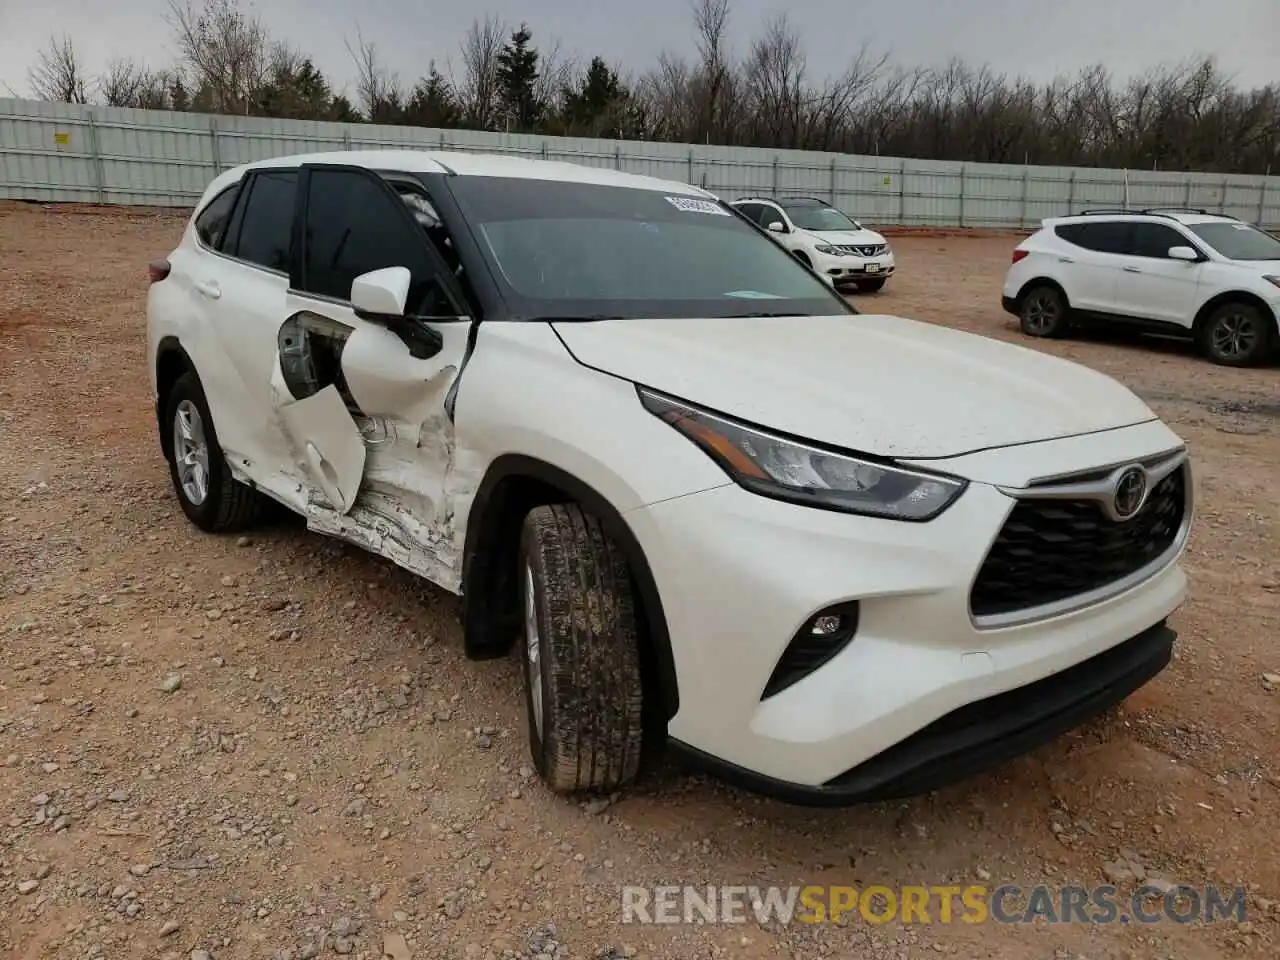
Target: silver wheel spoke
x=191 y=453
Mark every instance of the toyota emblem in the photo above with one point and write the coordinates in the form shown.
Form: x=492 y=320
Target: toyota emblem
x=1130 y=493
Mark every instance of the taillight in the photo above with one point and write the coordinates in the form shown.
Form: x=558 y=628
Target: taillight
x=1019 y=255
x=157 y=270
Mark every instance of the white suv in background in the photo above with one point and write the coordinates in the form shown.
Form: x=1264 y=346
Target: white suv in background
x=820 y=236
x=833 y=555
x=1188 y=273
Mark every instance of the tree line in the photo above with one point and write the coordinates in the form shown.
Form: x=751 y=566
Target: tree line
x=1181 y=116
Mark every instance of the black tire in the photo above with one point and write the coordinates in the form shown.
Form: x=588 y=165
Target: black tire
x=1237 y=334
x=871 y=286
x=228 y=505
x=590 y=733
x=1043 y=312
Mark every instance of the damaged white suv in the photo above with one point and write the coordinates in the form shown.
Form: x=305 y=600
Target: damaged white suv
x=834 y=556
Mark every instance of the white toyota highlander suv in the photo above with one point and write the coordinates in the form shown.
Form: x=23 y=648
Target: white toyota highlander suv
x=1188 y=273
x=820 y=236
x=832 y=555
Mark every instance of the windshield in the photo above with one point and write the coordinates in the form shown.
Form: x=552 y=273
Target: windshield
x=1238 y=241
x=569 y=250
x=820 y=218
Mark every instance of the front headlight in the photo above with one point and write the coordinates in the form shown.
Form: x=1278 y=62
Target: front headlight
x=827 y=249
x=792 y=470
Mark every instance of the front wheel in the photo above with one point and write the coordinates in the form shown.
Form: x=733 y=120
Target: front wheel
x=1043 y=312
x=580 y=652
x=1237 y=335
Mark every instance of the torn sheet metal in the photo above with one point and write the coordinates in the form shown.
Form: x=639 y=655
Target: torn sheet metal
x=329 y=446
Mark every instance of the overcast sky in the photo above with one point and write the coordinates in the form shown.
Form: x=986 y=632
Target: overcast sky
x=1037 y=38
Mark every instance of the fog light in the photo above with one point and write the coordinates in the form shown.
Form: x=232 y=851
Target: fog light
x=820 y=639
x=826 y=625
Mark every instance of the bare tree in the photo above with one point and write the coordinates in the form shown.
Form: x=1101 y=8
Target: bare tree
x=478 y=87
x=378 y=93
x=711 y=21
x=128 y=83
x=226 y=51
x=556 y=72
x=774 y=88
x=57 y=74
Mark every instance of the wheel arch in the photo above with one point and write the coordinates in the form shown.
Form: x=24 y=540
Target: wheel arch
x=1041 y=282
x=1233 y=296
x=172 y=361
x=513 y=485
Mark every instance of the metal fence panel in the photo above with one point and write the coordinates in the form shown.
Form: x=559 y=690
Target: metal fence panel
x=91 y=154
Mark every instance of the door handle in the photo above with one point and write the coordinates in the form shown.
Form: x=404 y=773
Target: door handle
x=208 y=288
x=1065 y=260
x=1131 y=270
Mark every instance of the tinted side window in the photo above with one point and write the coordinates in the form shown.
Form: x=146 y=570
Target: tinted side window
x=1155 y=239
x=768 y=214
x=754 y=211
x=353 y=226
x=1105 y=237
x=211 y=225
x=266 y=228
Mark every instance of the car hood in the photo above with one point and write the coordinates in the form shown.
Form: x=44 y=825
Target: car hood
x=854 y=238
x=875 y=384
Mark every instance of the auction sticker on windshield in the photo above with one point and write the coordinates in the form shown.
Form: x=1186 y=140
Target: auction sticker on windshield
x=694 y=205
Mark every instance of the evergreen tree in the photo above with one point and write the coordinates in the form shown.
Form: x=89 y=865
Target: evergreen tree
x=602 y=106
x=433 y=102
x=517 y=76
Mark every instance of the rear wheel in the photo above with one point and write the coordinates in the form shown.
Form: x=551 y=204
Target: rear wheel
x=1237 y=335
x=580 y=652
x=1043 y=312
x=210 y=497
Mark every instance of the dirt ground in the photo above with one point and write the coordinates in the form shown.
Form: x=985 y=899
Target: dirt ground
x=332 y=775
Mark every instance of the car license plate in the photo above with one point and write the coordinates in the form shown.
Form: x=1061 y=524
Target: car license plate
x=873 y=268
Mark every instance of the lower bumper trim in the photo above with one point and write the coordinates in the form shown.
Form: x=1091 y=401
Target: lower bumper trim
x=1010 y=305
x=978 y=736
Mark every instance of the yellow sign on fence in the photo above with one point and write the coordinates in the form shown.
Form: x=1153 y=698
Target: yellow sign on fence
x=62 y=139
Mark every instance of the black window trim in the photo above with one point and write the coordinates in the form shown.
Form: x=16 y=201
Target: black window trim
x=245 y=185
x=295 y=275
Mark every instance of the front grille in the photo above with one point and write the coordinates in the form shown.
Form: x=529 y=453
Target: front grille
x=870 y=250
x=1052 y=550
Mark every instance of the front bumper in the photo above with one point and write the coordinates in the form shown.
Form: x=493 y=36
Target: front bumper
x=847 y=270
x=978 y=736
x=740 y=574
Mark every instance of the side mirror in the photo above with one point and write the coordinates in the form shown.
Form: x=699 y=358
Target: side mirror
x=380 y=296
x=1184 y=253
x=381 y=293
x=776 y=226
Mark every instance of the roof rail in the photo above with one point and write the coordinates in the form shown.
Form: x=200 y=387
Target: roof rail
x=1167 y=212
x=800 y=196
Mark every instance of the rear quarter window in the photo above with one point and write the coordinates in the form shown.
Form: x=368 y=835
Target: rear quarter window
x=1105 y=237
x=211 y=223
